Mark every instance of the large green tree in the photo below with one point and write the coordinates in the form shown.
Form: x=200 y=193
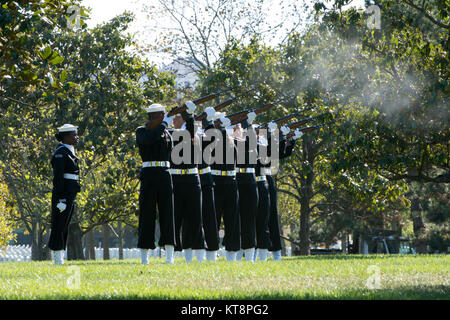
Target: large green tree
x=103 y=88
x=405 y=89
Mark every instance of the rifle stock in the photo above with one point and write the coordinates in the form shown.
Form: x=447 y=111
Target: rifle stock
x=298 y=123
x=244 y=116
x=304 y=130
x=182 y=108
x=219 y=107
x=279 y=121
x=223 y=105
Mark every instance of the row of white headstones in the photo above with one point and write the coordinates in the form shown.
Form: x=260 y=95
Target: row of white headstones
x=23 y=253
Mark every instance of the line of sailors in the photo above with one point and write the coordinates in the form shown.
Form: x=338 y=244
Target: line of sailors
x=193 y=197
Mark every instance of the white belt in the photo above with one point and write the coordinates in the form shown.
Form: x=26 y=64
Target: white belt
x=156 y=164
x=205 y=170
x=183 y=171
x=261 y=178
x=266 y=171
x=71 y=176
x=223 y=173
x=245 y=170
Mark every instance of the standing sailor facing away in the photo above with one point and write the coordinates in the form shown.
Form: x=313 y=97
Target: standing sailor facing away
x=187 y=192
x=155 y=145
x=65 y=188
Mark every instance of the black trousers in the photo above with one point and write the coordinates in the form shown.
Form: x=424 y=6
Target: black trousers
x=226 y=201
x=274 y=226
x=248 y=207
x=209 y=215
x=262 y=216
x=156 y=191
x=187 y=194
x=60 y=222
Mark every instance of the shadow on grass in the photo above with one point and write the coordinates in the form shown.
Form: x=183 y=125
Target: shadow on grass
x=290 y=258
x=402 y=293
x=358 y=256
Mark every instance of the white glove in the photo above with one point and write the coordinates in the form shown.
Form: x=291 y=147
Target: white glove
x=225 y=122
x=190 y=107
x=168 y=119
x=219 y=115
x=210 y=113
x=297 y=134
x=251 y=117
x=285 y=130
x=263 y=141
x=61 y=206
x=272 y=126
x=229 y=130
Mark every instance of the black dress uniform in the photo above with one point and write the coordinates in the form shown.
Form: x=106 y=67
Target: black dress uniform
x=285 y=149
x=263 y=211
x=156 y=188
x=226 y=196
x=65 y=188
x=187 y=197
x=247 y=190
x=209 y=218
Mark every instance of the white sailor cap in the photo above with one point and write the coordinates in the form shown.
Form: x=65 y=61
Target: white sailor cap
x=156 y=107
x=67 y=128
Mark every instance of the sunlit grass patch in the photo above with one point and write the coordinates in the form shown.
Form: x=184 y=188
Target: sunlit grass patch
x=313 y=277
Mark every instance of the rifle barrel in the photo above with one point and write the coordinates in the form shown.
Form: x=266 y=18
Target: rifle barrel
x=304 y=130
x=206 y=98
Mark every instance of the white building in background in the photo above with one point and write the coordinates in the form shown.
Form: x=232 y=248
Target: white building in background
x=184 y=71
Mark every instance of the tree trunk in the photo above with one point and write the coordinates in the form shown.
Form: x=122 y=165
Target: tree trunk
x=120 y=240
x=356 y=243
x=106 y=232
x=74 y=242
x=283 y=243
x=45 y=251
x=304 y=227
x=344 y=242
x=36 y=254
x=309 y=154
x=90 y=245
x=420 y=242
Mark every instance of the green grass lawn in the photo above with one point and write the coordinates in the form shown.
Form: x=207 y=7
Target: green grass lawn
x=313 y=277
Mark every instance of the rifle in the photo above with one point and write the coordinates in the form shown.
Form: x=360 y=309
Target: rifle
x=284 y=119
x=279 y=121
x=257 y=111
x=201 y=100
x=240 y=114
x=222 y=105
x=304 y=130
x=308 y=129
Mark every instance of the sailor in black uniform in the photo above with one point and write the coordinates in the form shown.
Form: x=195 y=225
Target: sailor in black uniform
x=247 y=186
x=285 y=149
x=206 y=179
x=187 y=189
x=155 y=145
x=263 y=211
x=65 y=187
x=225 y=189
